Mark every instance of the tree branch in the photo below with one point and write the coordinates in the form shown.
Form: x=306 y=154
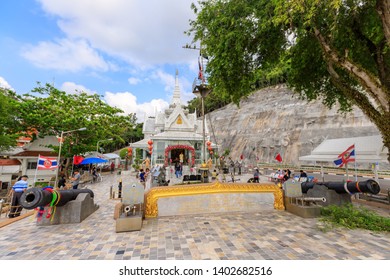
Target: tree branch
x=359 y=99
x=383 y=9
x=369 y=83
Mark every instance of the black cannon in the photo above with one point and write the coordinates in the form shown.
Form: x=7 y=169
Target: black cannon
x=369 y=186
x=36 y=197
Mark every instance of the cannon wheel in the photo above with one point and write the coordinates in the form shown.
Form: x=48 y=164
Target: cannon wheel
x=251 y=180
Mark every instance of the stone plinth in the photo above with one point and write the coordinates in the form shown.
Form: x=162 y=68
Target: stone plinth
x=74 y=211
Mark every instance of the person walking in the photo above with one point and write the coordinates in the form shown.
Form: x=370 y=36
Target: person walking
x=112 y=167
x=75 y=179
x=17 y=190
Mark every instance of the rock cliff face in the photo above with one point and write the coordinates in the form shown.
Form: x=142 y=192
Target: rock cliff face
x=274 y=120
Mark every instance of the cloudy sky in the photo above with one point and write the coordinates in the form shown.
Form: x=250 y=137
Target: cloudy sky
x=125 y=50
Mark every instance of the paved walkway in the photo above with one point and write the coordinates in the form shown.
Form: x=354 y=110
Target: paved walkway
x=271 y=234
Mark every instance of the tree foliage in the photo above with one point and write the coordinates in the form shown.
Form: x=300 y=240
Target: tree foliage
x=212 y=102
x=337 y=50
x=9 y=121
x=51 y=111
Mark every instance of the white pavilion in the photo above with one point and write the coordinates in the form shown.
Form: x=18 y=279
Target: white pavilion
x=173 y=132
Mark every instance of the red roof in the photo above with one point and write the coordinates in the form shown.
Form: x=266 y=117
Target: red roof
x=5 y=162
x=35 y=154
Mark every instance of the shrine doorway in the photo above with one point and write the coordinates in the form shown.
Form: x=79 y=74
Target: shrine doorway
x=175 y=155
x=172 y=154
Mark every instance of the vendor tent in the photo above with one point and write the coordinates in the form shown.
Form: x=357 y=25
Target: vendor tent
x=93 y=160
x=368 y=149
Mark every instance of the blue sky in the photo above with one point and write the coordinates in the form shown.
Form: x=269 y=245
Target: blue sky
x=125 y=50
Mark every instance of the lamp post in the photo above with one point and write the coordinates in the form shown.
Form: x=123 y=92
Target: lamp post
x=202 y=91
x=97 y=144
x=59 y=151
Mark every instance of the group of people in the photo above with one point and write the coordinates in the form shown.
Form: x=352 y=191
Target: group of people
x=75 y=179
x=232 y=165
x=145 y=177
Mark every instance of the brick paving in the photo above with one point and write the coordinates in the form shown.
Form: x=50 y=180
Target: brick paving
x=269 y=235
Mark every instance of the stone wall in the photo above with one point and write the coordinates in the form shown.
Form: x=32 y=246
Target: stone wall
x=274 y=120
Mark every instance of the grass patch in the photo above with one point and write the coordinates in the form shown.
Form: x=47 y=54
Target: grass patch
x=353 y=217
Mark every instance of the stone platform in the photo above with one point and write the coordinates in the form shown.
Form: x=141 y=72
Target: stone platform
x=269 y=234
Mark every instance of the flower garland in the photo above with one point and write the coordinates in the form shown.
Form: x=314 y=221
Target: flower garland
x=185 y=147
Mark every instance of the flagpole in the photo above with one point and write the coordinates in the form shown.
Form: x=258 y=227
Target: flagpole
x=36 y=171
x=355 y=163
x=59 y=158
x=72 y=166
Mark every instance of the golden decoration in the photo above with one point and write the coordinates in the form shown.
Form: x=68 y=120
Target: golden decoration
x=152 y=196
x=179 y=120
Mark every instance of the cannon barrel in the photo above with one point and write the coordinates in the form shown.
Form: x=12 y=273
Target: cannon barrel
x=36 y=197
x=369 y=186
x=313 y=199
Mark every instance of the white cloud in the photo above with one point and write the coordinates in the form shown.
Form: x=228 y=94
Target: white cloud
x=128 y=103
x=166 y=79
x=70 y=87
x=141 y=32
x=5 y=84
x=134 y=81
x=65 y=54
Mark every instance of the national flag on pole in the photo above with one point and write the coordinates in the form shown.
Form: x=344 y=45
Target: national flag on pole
x=77 y=160
x=200 y=75
x=278 y=157
x=45 y=163
x=347 y=156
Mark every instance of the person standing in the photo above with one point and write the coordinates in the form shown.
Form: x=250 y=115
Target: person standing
x=62 y=182
x=239 y=165
x=302 y=176
x=142 y=176
x=148 y=179
x=17 y=190
x=177 y=169
x=256 y=176
x=112 y=167
x=75 y=179
x=231 y=166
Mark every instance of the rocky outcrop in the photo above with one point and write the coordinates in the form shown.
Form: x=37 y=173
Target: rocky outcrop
x=275 y=120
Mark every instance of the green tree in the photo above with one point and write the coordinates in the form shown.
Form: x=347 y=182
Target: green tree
x=51 y=111
x=337 y=50
x=9 y=121
x=212 y=102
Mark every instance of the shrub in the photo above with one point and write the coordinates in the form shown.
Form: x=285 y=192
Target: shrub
x=354 y=217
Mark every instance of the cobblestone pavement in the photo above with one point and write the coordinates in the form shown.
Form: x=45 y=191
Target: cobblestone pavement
x=271 y=234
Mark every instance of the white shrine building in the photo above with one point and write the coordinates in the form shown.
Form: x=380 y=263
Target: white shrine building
x=173 y=132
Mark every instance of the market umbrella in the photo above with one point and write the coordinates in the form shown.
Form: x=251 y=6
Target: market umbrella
x=93 y=160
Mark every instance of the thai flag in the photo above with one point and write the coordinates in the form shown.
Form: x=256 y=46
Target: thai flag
x=347 y=156
x=46 y=163
x=200 y=75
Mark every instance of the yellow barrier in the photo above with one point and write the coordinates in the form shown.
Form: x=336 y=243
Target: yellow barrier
x=152 y=196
